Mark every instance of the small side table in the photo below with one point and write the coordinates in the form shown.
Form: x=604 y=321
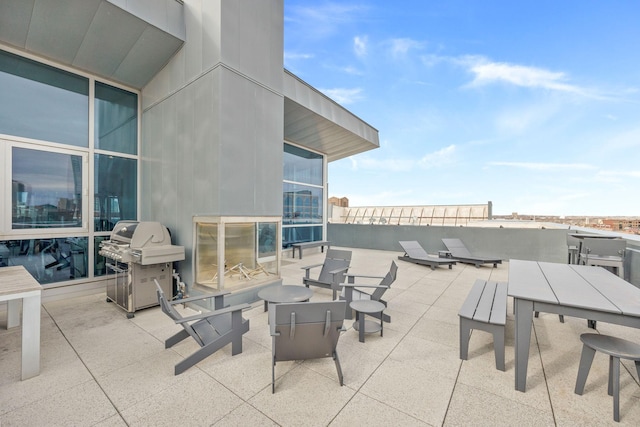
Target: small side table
x=363 y=326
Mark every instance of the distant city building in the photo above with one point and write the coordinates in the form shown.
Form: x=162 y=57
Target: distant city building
x=341 y=202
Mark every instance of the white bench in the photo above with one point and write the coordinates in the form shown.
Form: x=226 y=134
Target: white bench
x=485 y=309
x=315 y=244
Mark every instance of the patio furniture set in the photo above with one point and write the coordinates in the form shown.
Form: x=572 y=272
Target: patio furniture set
x=584 y=291
x=299 y=329
x=306 y=330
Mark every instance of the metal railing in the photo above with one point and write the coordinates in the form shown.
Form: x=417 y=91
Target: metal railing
x=443 y=215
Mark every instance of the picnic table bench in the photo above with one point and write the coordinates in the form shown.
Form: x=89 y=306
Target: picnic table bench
x=485 y=309
x=301 y=245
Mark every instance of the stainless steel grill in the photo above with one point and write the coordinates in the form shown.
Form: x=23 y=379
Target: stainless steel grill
x=138 y=253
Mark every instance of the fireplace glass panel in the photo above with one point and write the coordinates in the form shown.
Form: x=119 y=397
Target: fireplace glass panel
x=235 y=253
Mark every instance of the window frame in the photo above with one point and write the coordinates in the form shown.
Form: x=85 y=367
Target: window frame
x=322 y=187
x=8 y=229
x=88 y=152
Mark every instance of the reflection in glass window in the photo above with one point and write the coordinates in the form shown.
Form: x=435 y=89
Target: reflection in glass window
x=302 y=195
x=42 y=102
x=115 y=199
x=302 y=204
x=293 y=235
x=302 y=166
x=100 y=264
x=116 y=123
x=267 y=239
x=46 y=189
x=48 y=260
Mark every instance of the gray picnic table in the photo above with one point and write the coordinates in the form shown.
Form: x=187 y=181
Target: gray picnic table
x=587 y=292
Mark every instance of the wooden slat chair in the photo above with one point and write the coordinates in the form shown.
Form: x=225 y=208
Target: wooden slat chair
x=212 y=330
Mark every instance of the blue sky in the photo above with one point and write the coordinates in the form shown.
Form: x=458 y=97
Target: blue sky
x=534 y=105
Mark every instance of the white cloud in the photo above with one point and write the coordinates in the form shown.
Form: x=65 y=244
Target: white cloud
x=438 y=158
x=521 y=120
x=544 y=166
x=352 y=70
x=626 y=140
x=487 y=72
x=323 y=20
x=400 y=47
x=360 y=46
x=289 y=55
x=388 y=164
x=616 y=176
x=343 y=96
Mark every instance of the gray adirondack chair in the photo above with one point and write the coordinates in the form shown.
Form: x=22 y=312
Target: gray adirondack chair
x=332 y=273
x=212 y=330
x=352 y=291
x=305 y=330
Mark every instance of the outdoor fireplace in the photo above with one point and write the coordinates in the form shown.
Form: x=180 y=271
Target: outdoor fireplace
x=232 y=253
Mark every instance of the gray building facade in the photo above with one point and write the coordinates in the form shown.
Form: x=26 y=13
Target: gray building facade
x=169 y=110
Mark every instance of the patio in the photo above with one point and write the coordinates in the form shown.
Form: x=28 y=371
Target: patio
x=99 y=368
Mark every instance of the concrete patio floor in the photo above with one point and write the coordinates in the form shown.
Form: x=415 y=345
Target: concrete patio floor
x=99 y=368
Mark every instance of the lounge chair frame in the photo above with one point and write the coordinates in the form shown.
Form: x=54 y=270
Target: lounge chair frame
x=460 y=252
x=415 y=253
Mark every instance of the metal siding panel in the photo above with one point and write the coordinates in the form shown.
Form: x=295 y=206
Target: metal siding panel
x=104 y=58
x=152 y=133
x=15 y=17
x=269 y=155
x=211 y=24
x=176 y=24
x=57 y=32
x=205 y=144
x=184 y=157
x=169 y=201
x=238 y=128
x=147 y=56
x=193 y=49
x=176 y=71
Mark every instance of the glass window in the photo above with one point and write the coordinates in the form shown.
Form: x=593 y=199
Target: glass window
x=302 y=204
x=116 y=119
x=267 y=239
x=42 y=102
x=48 y=259
x=291 y=235
x=100 y=262
x=115 y=198
x=302 y=166
x=46 y=189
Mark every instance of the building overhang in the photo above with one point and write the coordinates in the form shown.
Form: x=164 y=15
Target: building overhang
x=315 y=121
x=127 y=41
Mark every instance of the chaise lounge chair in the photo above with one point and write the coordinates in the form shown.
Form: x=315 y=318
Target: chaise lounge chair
x=460 y=252
x=415 y=253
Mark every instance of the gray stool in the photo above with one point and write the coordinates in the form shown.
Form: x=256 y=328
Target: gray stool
x=617 y=349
